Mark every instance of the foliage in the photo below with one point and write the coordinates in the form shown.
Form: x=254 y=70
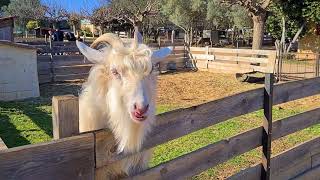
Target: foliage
x=25 y=10
x=74 y=18
x=31 y=25
x=86 y=31
x=222 y=16
x=185 y=13
x=54 y=12
x=133 y=11
x=100 y=16
x=257 y=10
x=295 y=12
x=3 y=3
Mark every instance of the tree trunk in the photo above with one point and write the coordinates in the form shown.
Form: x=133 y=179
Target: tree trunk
x=258 y=30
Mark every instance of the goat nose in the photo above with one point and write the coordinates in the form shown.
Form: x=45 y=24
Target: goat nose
x=141 y=109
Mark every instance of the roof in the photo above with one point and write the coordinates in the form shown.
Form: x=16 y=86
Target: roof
x=7 y=18
x=20 y=45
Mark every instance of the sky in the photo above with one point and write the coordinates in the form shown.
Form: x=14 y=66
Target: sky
x=76 y=5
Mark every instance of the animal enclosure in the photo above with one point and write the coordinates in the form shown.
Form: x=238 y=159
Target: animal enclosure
x=88 y=153
x=298 y=66
x=62 y=61
x=223 y=60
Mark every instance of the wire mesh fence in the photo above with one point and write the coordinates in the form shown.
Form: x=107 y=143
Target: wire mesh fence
x=297 y=66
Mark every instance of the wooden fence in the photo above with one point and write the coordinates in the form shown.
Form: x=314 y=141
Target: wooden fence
x=62 y=61
x=224 y=60
x=85 y=156
x=290 y=66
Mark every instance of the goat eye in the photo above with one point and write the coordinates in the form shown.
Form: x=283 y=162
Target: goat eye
x=115 y=73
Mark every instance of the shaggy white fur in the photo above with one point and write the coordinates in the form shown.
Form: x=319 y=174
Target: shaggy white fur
x=121 y=78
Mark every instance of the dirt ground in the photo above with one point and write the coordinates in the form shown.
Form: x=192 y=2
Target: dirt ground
x=184 y=89
x=190 y=88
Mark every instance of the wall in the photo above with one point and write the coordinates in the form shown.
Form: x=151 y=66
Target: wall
x=18 y=72
x=6 y=29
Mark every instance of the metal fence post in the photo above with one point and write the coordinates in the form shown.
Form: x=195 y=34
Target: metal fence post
x=267 y=126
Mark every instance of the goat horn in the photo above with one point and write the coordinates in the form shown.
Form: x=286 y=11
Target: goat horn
x=109 y=38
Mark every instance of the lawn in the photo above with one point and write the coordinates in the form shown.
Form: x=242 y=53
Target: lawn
x=29 y=122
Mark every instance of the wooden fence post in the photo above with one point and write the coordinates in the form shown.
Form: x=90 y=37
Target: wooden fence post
x=65 y=116
x=267 y=126
x=51 y=60
x=317 y=65
x=207 y=56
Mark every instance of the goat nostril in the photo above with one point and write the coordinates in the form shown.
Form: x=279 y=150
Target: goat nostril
x=135 y=106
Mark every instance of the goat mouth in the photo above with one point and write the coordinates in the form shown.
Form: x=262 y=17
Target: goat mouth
x=138 y=118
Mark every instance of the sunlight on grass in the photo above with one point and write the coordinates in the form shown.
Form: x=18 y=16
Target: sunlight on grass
x=30 y=122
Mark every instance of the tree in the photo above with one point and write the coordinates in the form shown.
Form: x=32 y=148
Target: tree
x=74 y=20
x=54 y=12
x=133 y=11
x=100 y=17
x=257 y=10
x=25 y=10
x=31 y=25
x=226 y=17
x=2 y=4
x=186 y=14
x=298 y=16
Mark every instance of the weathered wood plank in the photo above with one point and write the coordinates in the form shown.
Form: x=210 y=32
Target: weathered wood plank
x=43 y=58
x=44 y=65
x=295 y=90
x=282 y=165
x=70 y=77
x=62 y=49
x=195 y=162
x=44 y=78
x=2 y=145
x=57 y=64
x=251 y=173
x=239 y=51
x=105 y=146
x=177 y=123
x=288 y=164
x=68 y=58
x=281 y=128
x=312 y=174
x=69 y=158
x=295 y=123
x=66 y=70
x=65 y=116
x=315 y=160
x=231 y=58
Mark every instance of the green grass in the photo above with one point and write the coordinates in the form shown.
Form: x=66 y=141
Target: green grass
x=29 y=122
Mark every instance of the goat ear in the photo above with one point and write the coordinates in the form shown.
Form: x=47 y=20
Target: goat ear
x=93 y=55
x=160 y=54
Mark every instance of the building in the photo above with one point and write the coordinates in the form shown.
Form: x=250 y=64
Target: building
x=18 y=71
x=6 y=28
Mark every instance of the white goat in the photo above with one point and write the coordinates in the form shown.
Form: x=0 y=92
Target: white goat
x=120 y=95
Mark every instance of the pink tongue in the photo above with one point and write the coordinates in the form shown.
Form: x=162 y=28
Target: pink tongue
x=138 y=115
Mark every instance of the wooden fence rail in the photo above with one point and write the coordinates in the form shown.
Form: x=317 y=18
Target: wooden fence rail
x=62 y=61
x=64 y=158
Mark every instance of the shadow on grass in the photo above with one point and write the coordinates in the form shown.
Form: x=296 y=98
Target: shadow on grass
x=18 y=110
x=9 y=134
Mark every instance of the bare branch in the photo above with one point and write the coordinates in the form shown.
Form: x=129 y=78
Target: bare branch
x=265 y=4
